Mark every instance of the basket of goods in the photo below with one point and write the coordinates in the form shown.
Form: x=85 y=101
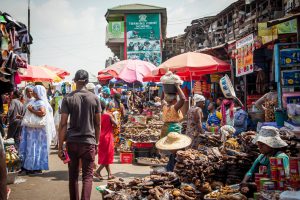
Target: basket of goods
x=169 y=80
x=226 y=192
x=13 y=163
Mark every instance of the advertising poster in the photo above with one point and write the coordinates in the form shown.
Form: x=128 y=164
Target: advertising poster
x=287 y=27
x=244 y=57
x=116 y=30
x=143 y=37
x=289 y=57
x=268 y=34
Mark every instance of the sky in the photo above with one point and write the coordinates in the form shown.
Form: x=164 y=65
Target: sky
x=70 y=34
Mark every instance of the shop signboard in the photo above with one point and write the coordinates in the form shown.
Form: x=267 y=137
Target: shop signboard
x=244 y=57
x=289 y=57
x=116 y=30
x=267 y=34
x=143 y=37
x=287 y=27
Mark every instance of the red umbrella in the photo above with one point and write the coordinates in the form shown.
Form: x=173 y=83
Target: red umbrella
x=59 y=72
x=37 y=73
x=104 y=77
x=193 y=63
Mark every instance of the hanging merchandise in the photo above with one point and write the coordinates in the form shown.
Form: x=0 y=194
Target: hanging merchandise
x=14 y=41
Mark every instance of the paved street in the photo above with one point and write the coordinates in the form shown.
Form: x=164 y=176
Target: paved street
x=53 y=184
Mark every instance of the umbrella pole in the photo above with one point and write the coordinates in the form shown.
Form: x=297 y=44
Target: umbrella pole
x=191 y=90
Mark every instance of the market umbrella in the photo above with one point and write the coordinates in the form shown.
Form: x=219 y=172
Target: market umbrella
x=192 y=64
x=129 y=70
x=183 y=76
x=38 y=73
x=59 y=72
x=104 y=77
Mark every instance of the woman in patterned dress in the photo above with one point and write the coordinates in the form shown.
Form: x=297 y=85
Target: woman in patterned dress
x=194 y=120
x=117 y=109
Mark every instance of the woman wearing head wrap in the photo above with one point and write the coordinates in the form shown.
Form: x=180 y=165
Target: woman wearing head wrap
x=97 y=90
x=28 y=95
x=35 y=143
x=194 y=120
x=227 y=111
x=106 y=94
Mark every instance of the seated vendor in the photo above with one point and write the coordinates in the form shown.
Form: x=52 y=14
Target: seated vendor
x=270 y=145
x=240 y=119
x=214 y=118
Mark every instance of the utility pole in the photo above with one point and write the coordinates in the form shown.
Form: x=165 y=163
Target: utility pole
x=28 y=18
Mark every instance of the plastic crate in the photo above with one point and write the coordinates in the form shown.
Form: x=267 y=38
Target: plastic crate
x=126 y=158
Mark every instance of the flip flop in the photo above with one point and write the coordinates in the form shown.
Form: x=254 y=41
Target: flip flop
x=98 y=176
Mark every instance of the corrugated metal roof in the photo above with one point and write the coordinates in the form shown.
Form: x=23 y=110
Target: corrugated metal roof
x=136 y=7
x=283 y=19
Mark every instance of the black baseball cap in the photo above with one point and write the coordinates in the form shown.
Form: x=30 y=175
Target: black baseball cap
x=82 y=76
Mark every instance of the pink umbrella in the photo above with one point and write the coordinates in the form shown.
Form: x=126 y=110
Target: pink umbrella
x=193 y=63
x=129 y=70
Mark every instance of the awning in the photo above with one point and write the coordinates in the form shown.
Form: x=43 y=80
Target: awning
x=283 y=19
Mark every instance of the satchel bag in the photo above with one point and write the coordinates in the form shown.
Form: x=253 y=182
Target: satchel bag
x=33 y=121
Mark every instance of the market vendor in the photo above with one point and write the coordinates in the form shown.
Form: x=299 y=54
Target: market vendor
x=268 y=102
x=270 y=145
x=214 y=118
x=194 y=120
x=171 y=113
x=172 y=143
x=106 y=94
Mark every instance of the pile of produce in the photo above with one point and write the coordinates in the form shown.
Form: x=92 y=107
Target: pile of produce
x=209 y=140
x=149 y=187
x=142 y=135
x=155 y=161
x=292 y=141
x=226 y=193
x=13 y=161
x=198 y=167
x=125 y=148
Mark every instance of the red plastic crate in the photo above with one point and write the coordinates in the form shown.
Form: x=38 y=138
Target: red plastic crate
x=126 y=157
x=142 y=145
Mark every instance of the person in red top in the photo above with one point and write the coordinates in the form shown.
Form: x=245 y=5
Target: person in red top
x=106 y=145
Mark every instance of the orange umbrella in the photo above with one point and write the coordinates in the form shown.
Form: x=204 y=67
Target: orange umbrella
x=37 y=73
x=59 y=72
x=193 y=63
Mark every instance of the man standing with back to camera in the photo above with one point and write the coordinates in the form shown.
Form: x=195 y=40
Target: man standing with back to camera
x=82 y=136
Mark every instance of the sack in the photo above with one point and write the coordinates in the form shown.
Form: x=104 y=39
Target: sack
x=33 y=121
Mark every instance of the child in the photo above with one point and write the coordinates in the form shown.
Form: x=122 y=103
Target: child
x=106 y=143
